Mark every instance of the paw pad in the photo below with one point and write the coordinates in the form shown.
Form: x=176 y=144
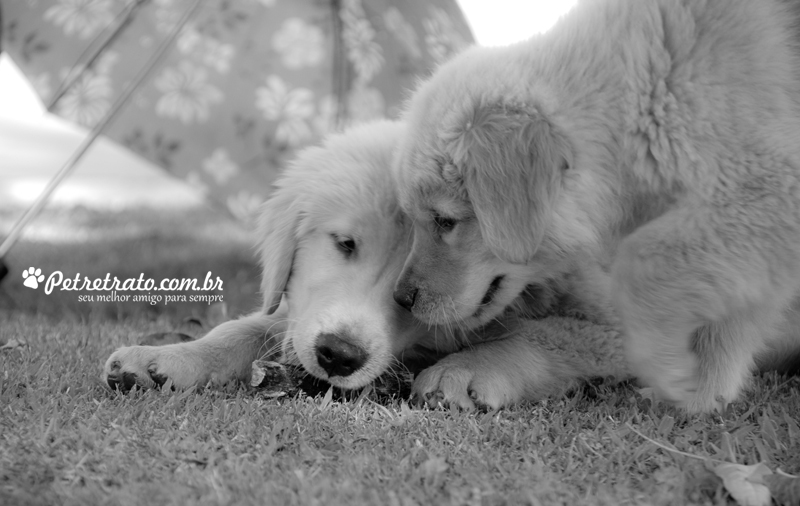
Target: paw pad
x=32 y=277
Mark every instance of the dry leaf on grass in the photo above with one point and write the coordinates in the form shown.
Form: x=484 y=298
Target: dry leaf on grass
x=274 y=379
x=648 y=393
x=749 y=485
x=13 y=344
x=746 y=483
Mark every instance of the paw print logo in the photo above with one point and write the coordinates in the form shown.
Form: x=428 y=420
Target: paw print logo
x=32 y=277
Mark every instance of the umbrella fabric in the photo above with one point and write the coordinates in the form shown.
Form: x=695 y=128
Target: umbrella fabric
x=247 y=83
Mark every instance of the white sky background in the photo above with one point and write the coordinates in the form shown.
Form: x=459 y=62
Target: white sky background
x=503 y=22
x=24 y=169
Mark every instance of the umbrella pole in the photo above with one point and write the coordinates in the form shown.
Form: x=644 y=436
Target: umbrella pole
x=65 y=169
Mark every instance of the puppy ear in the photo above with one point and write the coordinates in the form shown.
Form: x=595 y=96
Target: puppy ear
x=511 y=161
x=277 y=230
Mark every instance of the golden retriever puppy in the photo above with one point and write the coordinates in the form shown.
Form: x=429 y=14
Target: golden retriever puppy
x=333 y=241
x=520 y=356
x=654 y=143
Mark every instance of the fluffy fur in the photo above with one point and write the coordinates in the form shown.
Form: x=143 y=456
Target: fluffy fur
x=654 y=143
x=333 y=241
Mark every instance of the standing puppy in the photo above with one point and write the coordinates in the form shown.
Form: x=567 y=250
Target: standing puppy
x=655 y=141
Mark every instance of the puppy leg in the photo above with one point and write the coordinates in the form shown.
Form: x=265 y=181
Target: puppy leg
x=782 y=354
x=699 y=293
x=725 y=354
x=224 y=354
x=538 y=359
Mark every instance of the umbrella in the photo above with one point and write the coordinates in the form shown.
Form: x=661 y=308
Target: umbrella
x=223 y=92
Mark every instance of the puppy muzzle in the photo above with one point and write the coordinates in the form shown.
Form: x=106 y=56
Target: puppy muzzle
x=338 y=357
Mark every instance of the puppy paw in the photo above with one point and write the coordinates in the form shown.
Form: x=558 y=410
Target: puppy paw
x=679 y=383
x=150 y=367
x=464 y=381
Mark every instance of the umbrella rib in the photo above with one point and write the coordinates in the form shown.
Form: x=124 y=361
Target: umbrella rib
x=65 y=169
x=79 y=67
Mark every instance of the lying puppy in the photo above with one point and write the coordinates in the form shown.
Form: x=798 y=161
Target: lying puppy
x=654 y=144
x=333 y=241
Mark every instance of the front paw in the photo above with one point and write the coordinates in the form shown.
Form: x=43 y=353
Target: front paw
x=676 y=382
x=147 y=367
x=466 y=382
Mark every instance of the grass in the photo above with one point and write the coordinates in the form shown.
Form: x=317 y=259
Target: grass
x=66 y=439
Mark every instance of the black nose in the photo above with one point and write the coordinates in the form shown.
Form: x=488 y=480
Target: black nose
x=405 y=296
x=338 y=357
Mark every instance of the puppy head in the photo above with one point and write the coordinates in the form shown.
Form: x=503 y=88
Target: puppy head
x=480 y=172
x=333 y=241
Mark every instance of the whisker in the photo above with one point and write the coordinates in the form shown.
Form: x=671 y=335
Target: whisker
x=269 y=350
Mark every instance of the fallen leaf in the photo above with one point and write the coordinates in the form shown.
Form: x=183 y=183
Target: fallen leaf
x=273 y=379
x=649 y=394
x=13 y=344
x=746 y=483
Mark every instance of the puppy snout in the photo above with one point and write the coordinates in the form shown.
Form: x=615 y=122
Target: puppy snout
x=338 y=357
x=406 y=295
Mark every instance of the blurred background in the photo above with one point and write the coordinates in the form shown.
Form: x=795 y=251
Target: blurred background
x=171 y=183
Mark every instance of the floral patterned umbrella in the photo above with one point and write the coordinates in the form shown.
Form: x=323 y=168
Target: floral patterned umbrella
x=246 y=84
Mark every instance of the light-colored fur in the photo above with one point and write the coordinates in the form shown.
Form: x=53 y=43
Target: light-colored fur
x=312 y=288
x=338 y=192
x=655 y=144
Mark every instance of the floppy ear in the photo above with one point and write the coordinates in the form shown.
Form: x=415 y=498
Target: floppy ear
x=511 y=161
x=277 y=230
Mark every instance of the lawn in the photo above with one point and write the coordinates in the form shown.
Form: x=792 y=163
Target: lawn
x=65 y=438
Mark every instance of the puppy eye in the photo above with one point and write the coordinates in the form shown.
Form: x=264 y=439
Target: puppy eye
x=444 y=223
x=346 y=245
